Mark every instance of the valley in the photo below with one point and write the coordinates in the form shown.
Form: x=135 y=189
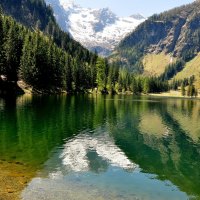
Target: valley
x=99 y=30
x=94 y=105
x=158 y=54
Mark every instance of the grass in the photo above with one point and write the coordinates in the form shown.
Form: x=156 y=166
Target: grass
x=155 y=64
x=191 y=68
x=173 y=93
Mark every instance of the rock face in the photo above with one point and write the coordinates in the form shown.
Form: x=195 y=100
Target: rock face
x=96 y=29
x=175 y=32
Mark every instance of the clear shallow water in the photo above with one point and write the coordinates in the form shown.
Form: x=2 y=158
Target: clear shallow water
x=88 y=147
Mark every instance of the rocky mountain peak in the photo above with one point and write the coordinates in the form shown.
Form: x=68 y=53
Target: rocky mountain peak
x=96 y=29
x=137 y=16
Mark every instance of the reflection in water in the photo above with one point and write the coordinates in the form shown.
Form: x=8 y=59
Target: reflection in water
x=79 y=151
x=103 y=147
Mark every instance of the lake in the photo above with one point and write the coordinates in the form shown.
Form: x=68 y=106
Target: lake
x=88 y=147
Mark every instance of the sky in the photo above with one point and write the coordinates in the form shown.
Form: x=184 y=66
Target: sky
x=129 y=7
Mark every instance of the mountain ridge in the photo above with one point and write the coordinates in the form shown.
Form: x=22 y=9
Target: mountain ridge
x=96 y=29
x=175 y=32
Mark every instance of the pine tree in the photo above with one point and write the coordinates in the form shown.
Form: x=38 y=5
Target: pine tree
x=196 y=93
x=68 y=73
x=134 y=85
x=93 y=70
x=182 y=89
x=28 y=70
x=101 y=74
x=13 y=46
x=193 y=91
x=36 y=59
x=146 y=86
x=75 y=75
x=2 y=49
x=111 y=79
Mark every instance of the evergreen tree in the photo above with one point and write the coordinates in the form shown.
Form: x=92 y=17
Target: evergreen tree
x=191 y=91
x=182 y=89
x=68 y=68
x=196 y=93
x=101 y=66
x=146 y=86
x=2 y=49
x=134 y=85
x=28 y=61
x=93 y=70
x=13 y=46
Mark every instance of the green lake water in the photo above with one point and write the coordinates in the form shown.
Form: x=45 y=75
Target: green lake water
x=104 y=147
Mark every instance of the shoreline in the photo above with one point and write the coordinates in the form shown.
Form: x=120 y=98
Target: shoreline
x=173 y=94
x=27 y=89
x=14 y=177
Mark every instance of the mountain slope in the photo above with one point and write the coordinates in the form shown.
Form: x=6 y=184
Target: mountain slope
x=175 y=33
x=36 y=14
x=44 y=56
x=30 y=13
x=96 y=29
x=192 y=68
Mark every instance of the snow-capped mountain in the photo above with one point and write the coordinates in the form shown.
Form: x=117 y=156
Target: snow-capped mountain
x=96 y=29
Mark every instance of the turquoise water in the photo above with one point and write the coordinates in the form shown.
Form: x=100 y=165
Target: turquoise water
x=104 y=147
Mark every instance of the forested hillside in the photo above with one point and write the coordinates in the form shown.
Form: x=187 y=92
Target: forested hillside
x=175 y=32
x=36 y=59
x=35 y=14
x=31 y=13
x=48 y=60
x=43 y=47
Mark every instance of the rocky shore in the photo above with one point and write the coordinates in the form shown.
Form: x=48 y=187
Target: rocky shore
x=14 y=177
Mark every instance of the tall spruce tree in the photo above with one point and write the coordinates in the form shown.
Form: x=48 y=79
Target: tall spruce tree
x=28 y=61
x=13 y=47
x=2 y=49
x=101 y=66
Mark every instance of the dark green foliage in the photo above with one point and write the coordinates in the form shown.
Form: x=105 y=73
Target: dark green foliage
x=181 y=83
x=175 y=84
x=113 y=78
x=36 y=59
x=183 y=89
x=13 y=46
x=102 y=74
x=2 y=49
x=35 y=14
x=191 y=91
x=136 y=84
x=57 y=62
x=31 y=13
x=43 y=64
x=172 y=70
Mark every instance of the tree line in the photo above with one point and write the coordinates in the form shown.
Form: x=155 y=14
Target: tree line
x=113 y=78
x=36 y=14
x=35 y=58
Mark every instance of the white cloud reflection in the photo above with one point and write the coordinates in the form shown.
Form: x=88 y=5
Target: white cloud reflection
x=75 y=153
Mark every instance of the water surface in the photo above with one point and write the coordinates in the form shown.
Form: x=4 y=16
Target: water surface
x=103 y=147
